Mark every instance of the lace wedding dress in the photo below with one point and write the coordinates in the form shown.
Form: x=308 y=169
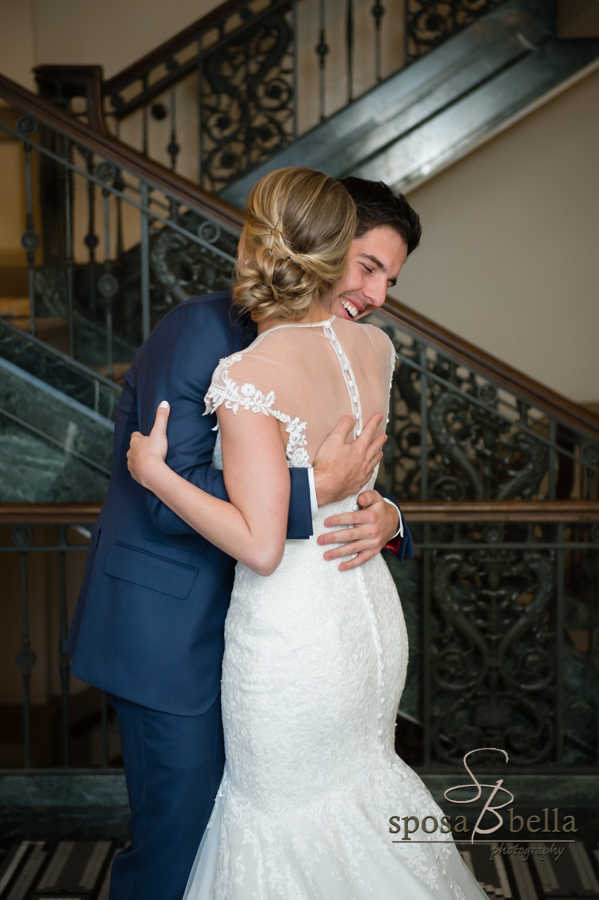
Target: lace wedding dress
x=314 y=667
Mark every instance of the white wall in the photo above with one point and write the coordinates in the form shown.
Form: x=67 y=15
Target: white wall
x=18 y=53
x=112 y=33
x=509 y=258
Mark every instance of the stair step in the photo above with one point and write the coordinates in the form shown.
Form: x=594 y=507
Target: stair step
x=61 y=373
x=43 y=327
x=54 y=332
x=14 y=307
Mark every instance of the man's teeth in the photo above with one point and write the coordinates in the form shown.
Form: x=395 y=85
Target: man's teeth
x=352 y=310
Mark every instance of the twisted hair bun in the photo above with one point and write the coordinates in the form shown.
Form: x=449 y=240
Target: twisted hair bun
x=299 y=225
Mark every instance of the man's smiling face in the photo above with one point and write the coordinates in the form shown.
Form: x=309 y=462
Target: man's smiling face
x=375 y=260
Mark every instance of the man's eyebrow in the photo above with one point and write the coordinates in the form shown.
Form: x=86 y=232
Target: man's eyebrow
x=379 y=265
x=374 y=260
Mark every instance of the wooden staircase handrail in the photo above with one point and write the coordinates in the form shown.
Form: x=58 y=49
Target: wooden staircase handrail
x=110 y=148
x=77 y=81
x=573 y=511
x=489 y=366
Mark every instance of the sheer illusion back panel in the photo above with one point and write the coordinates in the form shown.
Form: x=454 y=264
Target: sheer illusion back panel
x=304 y=372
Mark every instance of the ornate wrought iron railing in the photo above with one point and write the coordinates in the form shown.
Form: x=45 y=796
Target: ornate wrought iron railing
x=465 y=426
x=502 y=609
x=257 y=73
x=123 y=241
x=501 y=605
x=112 y=241
x=52 y=726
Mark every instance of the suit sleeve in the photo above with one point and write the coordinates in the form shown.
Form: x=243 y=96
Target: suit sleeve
x=299 y=524
x=190 y=448
x=179 y=369
x=400 y=547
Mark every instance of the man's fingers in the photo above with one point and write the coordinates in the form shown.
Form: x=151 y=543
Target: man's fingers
x=367 y=498
x=349 y=549
x=348 y=518
x=343 y=427
x=359 y=560
x=161 y=420
x=375 y=447
x=370 y=469
x=359 y=517
x=351 y=535
x=369 y=429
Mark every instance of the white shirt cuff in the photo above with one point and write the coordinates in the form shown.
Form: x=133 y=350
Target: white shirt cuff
x=313 y=500
x=400 y=529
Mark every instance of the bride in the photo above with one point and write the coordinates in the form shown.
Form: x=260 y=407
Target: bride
x=316 y=657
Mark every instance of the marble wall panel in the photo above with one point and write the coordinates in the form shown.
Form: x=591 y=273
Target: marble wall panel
x=54 y=369
x=34 y=471
x=64 y=422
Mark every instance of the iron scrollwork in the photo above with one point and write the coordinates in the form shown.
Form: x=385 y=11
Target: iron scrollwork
x=472 y=451
x=183 y=268
x=430 y=22
x=493 y=662
x=247 y=101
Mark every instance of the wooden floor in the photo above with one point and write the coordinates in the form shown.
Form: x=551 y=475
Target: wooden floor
x=80 y=870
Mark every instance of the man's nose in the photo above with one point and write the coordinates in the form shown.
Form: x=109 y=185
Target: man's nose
x=378 y=293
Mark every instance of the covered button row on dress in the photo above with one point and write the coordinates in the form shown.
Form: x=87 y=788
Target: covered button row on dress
x=351 y=384
x=348 y=375
x=379 y=648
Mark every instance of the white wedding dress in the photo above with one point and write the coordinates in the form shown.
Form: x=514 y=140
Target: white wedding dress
x=314 y=667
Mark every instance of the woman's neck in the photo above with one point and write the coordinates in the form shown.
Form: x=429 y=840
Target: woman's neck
x=314 y=315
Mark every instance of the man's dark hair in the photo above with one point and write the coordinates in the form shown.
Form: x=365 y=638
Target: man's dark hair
x=378 y=206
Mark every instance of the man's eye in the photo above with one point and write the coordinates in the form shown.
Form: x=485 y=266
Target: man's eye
x=366 y=269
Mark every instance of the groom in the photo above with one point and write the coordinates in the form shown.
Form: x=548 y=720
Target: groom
x=148 y=627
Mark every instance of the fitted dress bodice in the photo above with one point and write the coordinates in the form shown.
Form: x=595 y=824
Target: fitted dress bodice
x=314 y=667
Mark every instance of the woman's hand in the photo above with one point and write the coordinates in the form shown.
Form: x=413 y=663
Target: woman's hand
x=146 y=455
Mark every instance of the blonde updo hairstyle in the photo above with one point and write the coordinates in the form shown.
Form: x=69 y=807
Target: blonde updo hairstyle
x=299 y=225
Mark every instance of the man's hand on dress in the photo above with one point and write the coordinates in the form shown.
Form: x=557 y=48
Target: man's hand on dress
x=341 y=468
x=371 y=528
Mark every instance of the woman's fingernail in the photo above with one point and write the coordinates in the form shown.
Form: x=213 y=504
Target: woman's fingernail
x=164 y=405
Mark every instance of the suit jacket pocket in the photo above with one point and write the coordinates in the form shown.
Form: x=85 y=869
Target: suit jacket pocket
x=157 y=573
x=181 y=550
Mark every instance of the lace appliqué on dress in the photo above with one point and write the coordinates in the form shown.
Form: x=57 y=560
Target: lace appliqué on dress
x=224 y=390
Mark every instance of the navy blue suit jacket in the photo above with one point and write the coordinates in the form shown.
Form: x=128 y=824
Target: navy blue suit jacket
x=149 y=622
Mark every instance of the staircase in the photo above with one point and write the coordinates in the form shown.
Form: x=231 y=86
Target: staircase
x=402 y=95
x=498 y=475
x=65 y=347
x=57 y=423
x=433 y=112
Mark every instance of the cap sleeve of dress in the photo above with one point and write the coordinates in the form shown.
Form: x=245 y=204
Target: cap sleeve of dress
x=228 y=387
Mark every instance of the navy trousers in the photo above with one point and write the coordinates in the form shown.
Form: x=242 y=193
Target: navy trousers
x=173 y=768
